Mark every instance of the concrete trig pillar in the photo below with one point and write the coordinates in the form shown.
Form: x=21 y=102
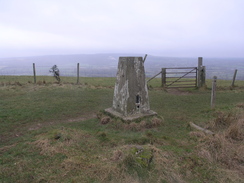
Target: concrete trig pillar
x=130 y=98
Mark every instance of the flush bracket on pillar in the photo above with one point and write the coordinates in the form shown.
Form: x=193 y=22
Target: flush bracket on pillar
x=138 y=102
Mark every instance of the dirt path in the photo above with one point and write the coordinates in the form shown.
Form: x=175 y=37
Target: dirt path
x=39 y=125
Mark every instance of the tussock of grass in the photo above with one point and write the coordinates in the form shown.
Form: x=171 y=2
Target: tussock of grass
x=135 y=160
x=222 y=120
x=82 y=152
x=105 y=120
x=240 y=105
x=138 y=125
x=49 y=144
x=236 y=130
x=198 y=134
x=226 y=147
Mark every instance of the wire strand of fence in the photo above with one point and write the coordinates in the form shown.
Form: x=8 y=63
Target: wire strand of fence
x=69 y=73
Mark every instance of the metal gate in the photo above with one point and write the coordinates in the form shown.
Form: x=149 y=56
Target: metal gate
x=181 y=77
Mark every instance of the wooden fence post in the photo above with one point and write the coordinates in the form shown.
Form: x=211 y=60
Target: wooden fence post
x=34 y=72
x=199 y=82
x=163 y=77
x=234 y=78
x=213 y=95
x=78 y=73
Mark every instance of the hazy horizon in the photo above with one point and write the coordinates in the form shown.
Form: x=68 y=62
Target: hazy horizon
x=105 y=65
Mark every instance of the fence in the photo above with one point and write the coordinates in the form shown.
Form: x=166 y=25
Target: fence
x=68 y=73
x=222 y=69
x=182 y=77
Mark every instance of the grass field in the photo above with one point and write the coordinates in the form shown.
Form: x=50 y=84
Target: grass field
x=108 y=81
x=50 y=133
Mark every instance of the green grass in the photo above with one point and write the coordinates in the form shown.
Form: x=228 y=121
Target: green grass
x=155 y=83
x=24 y=105
x=98 y=81
x=50 y=133
x=95 y=81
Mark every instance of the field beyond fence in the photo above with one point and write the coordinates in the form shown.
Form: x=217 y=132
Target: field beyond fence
x=96 y=81
x=223 y=68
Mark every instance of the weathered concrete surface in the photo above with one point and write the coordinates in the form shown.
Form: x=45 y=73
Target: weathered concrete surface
x=130 y=92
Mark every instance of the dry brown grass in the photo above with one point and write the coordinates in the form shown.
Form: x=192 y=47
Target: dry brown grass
x=111 y=167
x=236 y=130
x=226 y=147
x=221 y=121
x=6 y=148
x=156 y=122
x=198 y=134
x=240 y=105
x=49 y=144
x=105 y=120
x=138 y=125
x=133 y=126
x=161 y=161
x=144 y=124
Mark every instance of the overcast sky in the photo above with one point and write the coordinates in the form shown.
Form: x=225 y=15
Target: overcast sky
x=181 y=28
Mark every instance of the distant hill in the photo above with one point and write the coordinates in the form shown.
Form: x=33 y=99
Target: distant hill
x=105 y=65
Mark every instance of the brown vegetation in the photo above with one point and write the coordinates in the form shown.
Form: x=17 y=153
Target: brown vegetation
x=137 y=125
x=123 y=163
x=226 y=147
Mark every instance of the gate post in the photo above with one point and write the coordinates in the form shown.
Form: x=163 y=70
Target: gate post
x=203 y=76
x=199 y=72
x=163 y=77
